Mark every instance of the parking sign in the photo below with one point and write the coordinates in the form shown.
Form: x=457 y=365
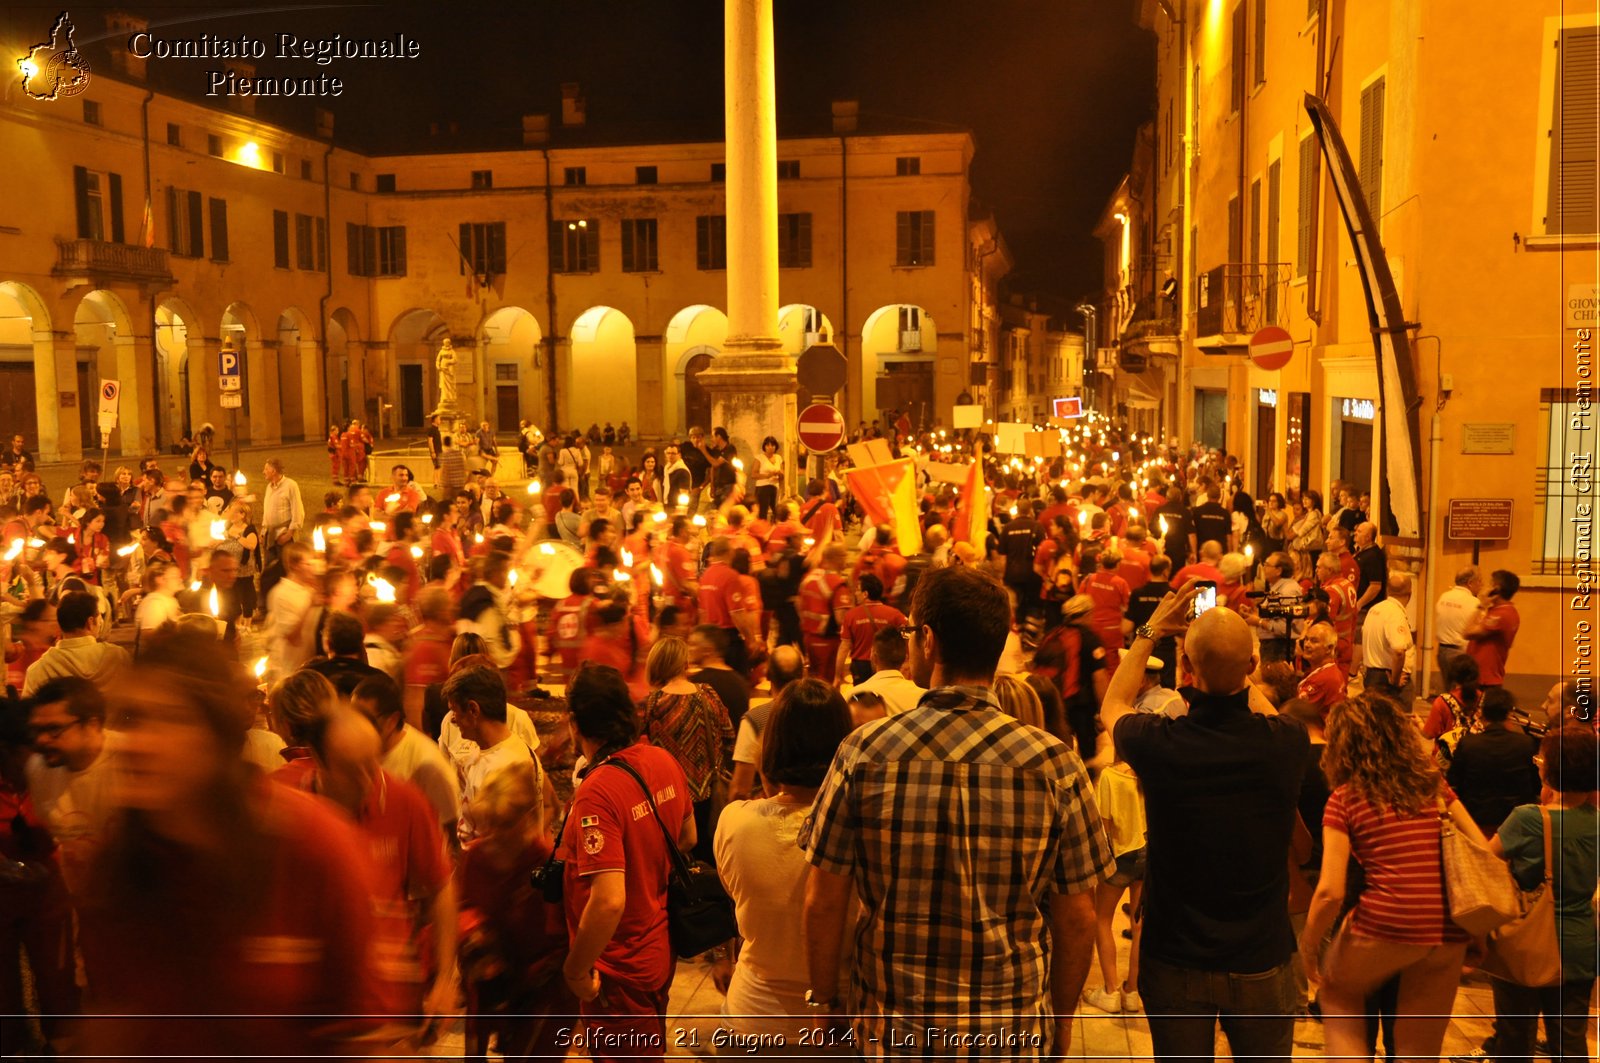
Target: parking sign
x=228 y=369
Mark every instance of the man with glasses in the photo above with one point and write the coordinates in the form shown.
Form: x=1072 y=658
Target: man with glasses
x=1324 y=684
x=70 y=773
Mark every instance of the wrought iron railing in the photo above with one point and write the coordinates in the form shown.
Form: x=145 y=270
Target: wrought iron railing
x=1239 y=297
x=115 y=260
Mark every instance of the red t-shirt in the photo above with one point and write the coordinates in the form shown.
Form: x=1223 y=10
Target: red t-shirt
x=1324 y=687
x=551 y=501
x=1404 y=900
x=610 y=828
x=1197 y=570
x=680 y=566
x=862 y=624
x=448 y=542
x=1135 y=567
x=1491 y=649
x=714 y=594
x=299 y=957
x=406 y=856
x=744 y=595
x=822 y=518
x=1110 y=594
x=778 y=537
x=427 y=658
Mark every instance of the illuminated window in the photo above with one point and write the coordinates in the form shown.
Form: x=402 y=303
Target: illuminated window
x=506 y=371
x=1563 y=489
x=575 y=245
x=99 y=200
x=184 y=220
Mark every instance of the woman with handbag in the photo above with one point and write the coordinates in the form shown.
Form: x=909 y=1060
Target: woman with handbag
x=1566 y=826
x=1307 y=537
x=1384 y=811
x=689 y=721
x=616 y=867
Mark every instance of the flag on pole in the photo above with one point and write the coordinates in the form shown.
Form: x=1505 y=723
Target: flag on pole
x=972 y=517
x=888 y=495
x=149 y=222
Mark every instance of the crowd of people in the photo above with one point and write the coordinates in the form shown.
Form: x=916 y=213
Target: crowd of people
x=311 y=781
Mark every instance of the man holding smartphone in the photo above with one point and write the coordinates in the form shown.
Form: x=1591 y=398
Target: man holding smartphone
x=1221 y=785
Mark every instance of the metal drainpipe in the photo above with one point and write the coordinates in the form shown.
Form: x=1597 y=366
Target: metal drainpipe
x=844 y=256
x=327 y=293
x=155 y=349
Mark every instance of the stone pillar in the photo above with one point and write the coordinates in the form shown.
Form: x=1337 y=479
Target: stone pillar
x=266 y=399
x=137 y=409
x=752 y=382
x=313 y=403
x=650 y=380
x=55 y=370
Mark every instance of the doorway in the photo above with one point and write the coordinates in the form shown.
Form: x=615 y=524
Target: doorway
x=906 y=387
x=507 y=408
x=696 y=399
x=411 y=400
x=1355 y=454
x=1211 y=417
x=1266 y=447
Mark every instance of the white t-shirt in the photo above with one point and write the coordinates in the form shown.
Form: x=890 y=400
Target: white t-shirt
x=262 y=748
x=290 y=609
x=747 y=744
x=156 y=609
x=423 y=764
x=899 y=694
x=463 y=751
x=759 y=859
x=1453 y=612
x=489 y=763
x=1386 y=636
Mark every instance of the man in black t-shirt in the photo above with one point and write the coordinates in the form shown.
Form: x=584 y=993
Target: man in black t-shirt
x=1018 y=542
x=707 y=648
x=1178 y=540
x=1211 y=522
x=1142 y=603
x=693 y=456
x=435 y=445
x=1372 y=564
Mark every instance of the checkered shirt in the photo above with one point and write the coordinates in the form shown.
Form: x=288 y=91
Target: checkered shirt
x=957 y=823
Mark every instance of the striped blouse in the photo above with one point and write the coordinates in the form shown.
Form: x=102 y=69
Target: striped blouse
x=1404 y=900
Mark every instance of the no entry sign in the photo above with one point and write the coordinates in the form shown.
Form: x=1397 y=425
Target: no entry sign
x=1271 y=347
x=821 y=428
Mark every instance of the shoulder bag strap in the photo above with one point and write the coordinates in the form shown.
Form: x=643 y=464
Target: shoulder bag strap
x=679 y=862
x=1549 y=871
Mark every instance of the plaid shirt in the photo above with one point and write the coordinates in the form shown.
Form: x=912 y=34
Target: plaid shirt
x=956 y=823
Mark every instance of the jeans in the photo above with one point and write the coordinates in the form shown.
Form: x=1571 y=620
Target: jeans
x=1184 y=1006
x=1566 y=1011
x=1378 y=679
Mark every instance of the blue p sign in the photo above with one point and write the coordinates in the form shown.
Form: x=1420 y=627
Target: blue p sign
x=228 y=363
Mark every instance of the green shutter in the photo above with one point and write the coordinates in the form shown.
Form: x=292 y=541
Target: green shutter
x=1274 y=210
x=591 y=246
x=219 y=230
x=114 y=190
x=1305 y=221
x=1574 y=131
x=197 y=238
x=352 y=242
x=1261 y=42
x=466 y=247
x=280 y=238
x=558 y=246
x=80 y=192
x=1370 y=167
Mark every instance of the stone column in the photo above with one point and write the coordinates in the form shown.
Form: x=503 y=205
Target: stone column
x=752 y=382
x=650 y=383
x=55 y=370
x=266 y=400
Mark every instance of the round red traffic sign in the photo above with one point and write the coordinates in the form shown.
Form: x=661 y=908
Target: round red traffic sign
x=1271 y=347
x=821 y=428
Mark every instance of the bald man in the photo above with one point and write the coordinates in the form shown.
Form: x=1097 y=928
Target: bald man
x=407 y=861
x=784 y=666
x=1221 y=785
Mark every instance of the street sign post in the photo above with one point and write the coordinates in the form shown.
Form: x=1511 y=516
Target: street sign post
x=230 y=381
x=1271 y=347
x=110 y=390
x=820 y=369
x=821 y=428
x=1478 y=519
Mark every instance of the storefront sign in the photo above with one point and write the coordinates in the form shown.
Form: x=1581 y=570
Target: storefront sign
x=1479 y=518
x=1358 y=409
x=1489 y=437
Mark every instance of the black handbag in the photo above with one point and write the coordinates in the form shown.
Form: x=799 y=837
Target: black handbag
x=700 y=913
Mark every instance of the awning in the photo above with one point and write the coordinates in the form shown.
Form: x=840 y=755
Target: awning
x=1142 y=390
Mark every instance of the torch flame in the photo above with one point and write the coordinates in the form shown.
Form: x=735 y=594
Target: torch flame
x=213 y=604
x=238 y=478
x=261 y=667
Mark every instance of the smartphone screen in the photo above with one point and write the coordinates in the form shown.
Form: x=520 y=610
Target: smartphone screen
x=1205 y=599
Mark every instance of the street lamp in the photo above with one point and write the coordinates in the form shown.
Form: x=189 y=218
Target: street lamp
x=1091 y=354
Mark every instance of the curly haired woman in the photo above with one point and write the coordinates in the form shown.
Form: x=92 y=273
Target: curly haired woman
x=1384 y=811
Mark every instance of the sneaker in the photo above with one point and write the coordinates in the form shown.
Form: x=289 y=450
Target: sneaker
x=1108 y=1002
x=1131 y=1001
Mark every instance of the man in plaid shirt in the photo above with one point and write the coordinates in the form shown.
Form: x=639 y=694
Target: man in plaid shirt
x=974 y=846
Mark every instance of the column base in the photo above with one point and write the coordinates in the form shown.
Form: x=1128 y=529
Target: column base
x=752 y=395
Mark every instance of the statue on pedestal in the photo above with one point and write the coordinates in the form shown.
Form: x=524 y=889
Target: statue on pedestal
x=445 y=363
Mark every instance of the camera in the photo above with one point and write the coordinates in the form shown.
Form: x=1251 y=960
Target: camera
x=1283 y=607
x=547 y=879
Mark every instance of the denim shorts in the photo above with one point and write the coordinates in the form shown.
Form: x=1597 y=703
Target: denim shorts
x=1129 y=869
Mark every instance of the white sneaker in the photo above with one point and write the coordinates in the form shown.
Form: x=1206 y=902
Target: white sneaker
x=1131 y=1001
x=1103 y=999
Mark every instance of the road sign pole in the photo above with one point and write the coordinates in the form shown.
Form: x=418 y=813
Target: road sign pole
x=233 y=426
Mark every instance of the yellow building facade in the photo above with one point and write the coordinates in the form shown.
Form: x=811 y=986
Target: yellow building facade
x=581 y=281
x=1466 y=123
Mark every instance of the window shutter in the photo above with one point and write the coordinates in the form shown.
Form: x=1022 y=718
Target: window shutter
x=398 y=248
x=1574 y=131
x=1274 y=210
x=591 y=246
x=1255 y=221
x=369 y=252
x=1236 y=72
x=219 y=230
x=1261 y=42
x=805 y=240
x=702 y=242
x=1371 y=166
x=80 y=190
x=197 y=239
x=629 y=259
x=558 y=246
x=1308 y=194
x=465 y=246
x=497 y=248
x=280 y=238
x=352 y=241
x=902 y=238
x=115 y=192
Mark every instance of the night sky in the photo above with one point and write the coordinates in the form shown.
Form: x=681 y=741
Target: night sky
x=1053 y=90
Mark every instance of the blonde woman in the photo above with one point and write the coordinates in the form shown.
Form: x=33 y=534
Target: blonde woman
x=1019 y=700
x=297 y=703
x=689 y=721
x=1384 y=811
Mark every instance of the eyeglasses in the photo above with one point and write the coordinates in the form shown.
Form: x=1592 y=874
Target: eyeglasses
x=905 y=631
x=52 y=731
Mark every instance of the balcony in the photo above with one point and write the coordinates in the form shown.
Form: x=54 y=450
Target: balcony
x=98 y=262
x=1234 y=300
